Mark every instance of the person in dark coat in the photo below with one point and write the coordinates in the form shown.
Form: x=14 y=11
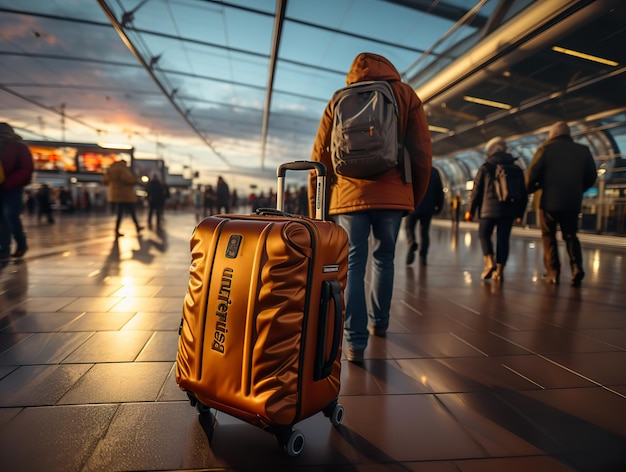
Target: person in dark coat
x=17 y=164
x=209 y=200
x=44 y=204
x=157 y=194
x=493 y=213
x=223 y=195
x=560 y=172
x=424 y=212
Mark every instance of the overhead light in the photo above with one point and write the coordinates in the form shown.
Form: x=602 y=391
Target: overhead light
x=582 y=55
x=438 y=129
x=489 y=103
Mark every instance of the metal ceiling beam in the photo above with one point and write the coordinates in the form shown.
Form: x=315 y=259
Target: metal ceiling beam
x=465 y=20
x=279 y=18
x=335 y=30
x=530 y=31
x=129 y=44
x=441 y=10
x=198 y=42
x=58 y=111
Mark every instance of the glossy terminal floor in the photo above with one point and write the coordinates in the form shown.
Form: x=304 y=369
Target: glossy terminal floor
x=473 y=376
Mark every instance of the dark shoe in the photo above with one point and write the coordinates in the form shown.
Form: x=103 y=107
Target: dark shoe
x=118 y=234
x=577 y=278
x=410 y=256
x=140 y=229
x=423 y=260
x=355 y=355
x=19 y=252
x=551 y=278
x=378 y=331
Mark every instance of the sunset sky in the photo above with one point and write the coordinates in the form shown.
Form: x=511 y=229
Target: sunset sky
x=211 y=58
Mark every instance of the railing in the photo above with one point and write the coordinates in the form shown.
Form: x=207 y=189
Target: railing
x=607 y=218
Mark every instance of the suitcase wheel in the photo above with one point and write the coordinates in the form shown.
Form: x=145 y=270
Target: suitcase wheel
x=292 y=441
x=335 y=412
x=336 y=417
x=202 y=408
x=192 y=398
x=295 y=443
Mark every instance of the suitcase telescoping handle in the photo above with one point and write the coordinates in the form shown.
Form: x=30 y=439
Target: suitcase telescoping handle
x=320 y=186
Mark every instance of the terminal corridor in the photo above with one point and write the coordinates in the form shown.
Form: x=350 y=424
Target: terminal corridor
x=472 y=376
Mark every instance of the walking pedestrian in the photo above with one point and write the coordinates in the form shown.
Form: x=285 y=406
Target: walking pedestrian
x=494 y=213
x=157 y=194
x=121 y=182
x=559 y=173
x=423 y=214
x=363 y=206
x=17 y=165
x=223 y=196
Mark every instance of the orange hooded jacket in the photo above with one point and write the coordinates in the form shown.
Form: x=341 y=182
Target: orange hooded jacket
x=388 y=191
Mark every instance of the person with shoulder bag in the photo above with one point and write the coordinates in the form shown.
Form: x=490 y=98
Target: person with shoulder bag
x=17 y=165
x=374 y=203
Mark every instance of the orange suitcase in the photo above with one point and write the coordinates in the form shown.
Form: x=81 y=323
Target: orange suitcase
x=262 y=324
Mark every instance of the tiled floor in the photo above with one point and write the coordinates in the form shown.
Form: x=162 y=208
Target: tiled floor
x=473 y=376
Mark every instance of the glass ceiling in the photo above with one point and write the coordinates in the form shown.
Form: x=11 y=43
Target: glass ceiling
x=191 y=80
x=238 y=87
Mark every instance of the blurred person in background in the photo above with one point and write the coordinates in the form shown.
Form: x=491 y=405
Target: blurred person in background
x=17 y=164
x=157 y=194
x=223 y=196
x=44 y=204
x=121 y=182
x=431 y=205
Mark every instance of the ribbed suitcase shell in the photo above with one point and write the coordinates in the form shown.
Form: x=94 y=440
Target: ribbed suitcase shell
x=250 y=334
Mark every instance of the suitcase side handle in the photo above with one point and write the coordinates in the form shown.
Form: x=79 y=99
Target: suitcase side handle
x=320 y=186
x=331 y=292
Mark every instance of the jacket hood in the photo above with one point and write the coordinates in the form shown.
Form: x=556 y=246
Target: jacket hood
x=501 y=157
x=370 y=66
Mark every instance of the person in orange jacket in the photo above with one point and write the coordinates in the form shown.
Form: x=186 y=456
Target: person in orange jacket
x=362 y=206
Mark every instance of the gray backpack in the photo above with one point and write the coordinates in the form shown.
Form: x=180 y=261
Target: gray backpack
x=508 y=183
x=364 y=136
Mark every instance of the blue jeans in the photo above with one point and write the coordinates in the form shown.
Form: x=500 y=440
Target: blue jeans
x=11 y=224
x=384 y=226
